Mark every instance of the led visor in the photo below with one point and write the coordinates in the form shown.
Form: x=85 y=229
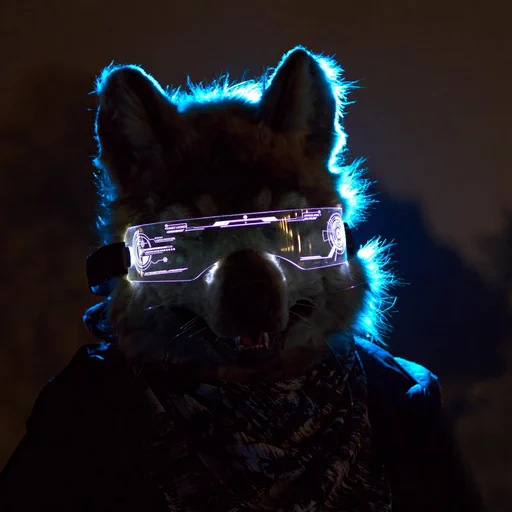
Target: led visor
x=182 y=250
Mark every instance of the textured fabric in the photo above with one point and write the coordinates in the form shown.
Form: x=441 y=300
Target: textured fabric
x=297 y=445
x=83 y=447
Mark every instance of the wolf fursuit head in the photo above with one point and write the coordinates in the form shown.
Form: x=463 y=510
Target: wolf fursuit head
x=271 y=144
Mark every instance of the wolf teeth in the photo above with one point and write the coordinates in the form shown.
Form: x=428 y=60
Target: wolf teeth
x=264 y=343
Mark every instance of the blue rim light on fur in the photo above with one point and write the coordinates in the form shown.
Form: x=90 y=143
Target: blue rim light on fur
x=352 y=187
x=373 y=318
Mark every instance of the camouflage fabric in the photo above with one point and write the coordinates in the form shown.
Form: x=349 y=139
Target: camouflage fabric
x=297 y=445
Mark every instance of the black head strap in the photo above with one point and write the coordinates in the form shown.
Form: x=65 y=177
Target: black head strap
x=105 y=265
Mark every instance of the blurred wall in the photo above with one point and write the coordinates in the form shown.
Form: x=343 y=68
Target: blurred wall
x=432 y=117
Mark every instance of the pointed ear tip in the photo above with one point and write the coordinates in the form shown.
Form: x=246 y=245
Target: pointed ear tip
x=115 y=75
x=298 y=54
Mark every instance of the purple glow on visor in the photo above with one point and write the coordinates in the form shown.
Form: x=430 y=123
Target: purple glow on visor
x=310 y=238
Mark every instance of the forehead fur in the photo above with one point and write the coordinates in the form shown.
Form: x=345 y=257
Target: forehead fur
x=221 y=115
x=232 y=160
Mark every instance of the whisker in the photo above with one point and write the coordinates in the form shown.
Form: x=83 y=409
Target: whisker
x=197 y=332
x=308 y=299
x=138 y=373
x=306 y=302
x=186 y=324
x=154 y=307
x=349 y=287
x=301 y=317
x=304 y=305
x=169 y=304
x=183 y=331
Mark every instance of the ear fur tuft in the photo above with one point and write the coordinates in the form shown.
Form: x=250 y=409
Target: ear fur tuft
x=300 y=100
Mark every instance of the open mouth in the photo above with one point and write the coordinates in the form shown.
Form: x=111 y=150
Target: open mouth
x=244 y=350
x=250 y=349
x=257 y=347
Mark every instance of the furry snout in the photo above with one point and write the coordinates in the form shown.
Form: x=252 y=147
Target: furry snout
x=247 y=295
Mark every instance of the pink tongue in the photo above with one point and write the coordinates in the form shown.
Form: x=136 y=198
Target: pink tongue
x=252 y=341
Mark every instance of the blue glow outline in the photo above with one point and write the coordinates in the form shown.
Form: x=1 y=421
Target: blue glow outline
x=373 y=320
x=352 y=187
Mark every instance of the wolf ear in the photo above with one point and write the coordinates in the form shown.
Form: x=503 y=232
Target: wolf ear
x=300 y=99
x=136 y=125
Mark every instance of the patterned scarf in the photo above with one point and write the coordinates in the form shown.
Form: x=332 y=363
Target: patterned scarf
x=298 y=445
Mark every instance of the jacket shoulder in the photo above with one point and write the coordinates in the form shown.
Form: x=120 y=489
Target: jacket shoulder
x=95 y=377
x=413 y=436
x=82 y=441
x=397 y=379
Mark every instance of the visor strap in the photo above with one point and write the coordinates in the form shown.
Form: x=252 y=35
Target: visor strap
x=105 y=265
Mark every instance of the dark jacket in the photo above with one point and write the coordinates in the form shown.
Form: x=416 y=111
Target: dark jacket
x=82 y=449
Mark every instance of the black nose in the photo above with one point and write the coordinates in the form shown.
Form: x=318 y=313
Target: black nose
x=250 y=291
x=248 y=299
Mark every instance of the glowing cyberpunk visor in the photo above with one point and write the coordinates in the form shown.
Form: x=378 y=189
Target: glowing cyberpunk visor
x=183 y=250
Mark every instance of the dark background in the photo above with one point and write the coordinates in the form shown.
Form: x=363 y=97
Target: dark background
x=432 y=117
